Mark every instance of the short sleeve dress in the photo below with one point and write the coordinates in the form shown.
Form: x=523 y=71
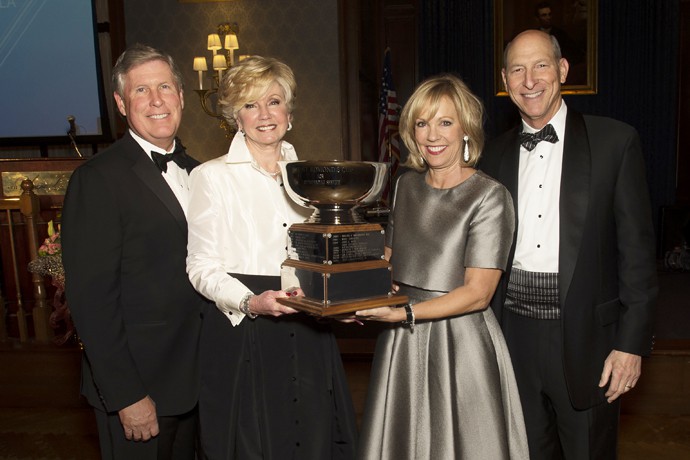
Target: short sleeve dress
x=447 y=389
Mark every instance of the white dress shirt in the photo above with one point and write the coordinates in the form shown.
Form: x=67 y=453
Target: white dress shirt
x=238 y=221
x=539 y=190
x=176 y=177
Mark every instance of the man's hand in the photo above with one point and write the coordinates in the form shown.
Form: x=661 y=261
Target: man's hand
x=623 y=370
x=139 y=420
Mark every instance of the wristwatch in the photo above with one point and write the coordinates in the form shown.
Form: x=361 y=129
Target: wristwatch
x=409 y=313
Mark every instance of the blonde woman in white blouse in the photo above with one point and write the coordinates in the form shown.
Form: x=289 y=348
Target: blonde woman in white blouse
x=273 y=384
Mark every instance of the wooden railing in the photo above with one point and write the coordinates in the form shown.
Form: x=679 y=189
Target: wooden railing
x=24 y=211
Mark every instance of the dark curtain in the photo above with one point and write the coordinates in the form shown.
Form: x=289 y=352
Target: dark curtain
x=457 y=37
x=637 y=71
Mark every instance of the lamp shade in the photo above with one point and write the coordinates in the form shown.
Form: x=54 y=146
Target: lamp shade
x=200 y=63
x=219 y=62
x=231 y=42
x=214 y=42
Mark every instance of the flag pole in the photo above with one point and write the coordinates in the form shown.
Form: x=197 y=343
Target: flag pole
x=389 y=111
x=389 y=148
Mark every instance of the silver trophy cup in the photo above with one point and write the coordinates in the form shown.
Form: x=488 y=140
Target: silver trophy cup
x=334 y=189
x=336 y=257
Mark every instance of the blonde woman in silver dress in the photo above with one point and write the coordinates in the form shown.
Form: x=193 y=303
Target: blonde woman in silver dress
x=442 y=384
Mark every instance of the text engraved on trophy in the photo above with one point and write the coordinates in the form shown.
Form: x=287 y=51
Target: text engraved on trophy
x=324 y=175
x=336 y=248
x=356 y=246
x=308 y=247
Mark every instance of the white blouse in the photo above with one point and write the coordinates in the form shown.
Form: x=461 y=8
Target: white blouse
x=238 y=220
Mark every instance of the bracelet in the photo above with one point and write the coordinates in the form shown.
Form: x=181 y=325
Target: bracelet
x=244 y=305
x=409 y=312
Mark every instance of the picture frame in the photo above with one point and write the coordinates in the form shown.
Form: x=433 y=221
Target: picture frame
x=573 y=22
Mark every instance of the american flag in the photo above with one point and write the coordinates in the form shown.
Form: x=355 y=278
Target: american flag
x=389 y=112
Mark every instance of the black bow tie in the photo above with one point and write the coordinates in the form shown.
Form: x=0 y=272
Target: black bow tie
x=179 y=156
x=530 y=140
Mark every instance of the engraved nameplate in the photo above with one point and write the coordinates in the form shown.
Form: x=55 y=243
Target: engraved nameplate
x=336 y=248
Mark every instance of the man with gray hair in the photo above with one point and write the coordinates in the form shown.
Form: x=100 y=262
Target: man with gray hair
x=124 y=235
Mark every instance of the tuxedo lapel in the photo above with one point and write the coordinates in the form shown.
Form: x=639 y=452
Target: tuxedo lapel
x=151 y=176
x=145 y=169
x=507 y=173
x=510 y=166
x=574 y=198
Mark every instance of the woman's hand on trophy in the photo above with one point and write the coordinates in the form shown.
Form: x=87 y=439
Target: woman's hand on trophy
x=266 y=303
x=348 y=319
x=383 y=314
x=294 y=291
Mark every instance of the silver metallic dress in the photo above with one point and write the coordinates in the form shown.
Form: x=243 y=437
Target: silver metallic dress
x=447 y=389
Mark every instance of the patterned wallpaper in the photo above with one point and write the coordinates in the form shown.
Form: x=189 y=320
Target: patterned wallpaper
x=302 y=33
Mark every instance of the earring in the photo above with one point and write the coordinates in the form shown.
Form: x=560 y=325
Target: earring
x=466 y=153
x=289 y=125
x=242 y=131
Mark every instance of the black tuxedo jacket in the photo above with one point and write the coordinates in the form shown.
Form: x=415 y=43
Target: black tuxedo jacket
x=124 y=237
x=607 y=261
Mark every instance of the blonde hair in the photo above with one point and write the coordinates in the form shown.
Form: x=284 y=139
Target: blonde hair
x=250 y=79
x=426 y=101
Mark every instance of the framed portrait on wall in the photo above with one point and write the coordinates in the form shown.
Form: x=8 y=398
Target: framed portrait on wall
x=572 y=22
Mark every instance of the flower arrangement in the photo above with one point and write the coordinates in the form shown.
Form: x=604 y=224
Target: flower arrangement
x=49 y=263
x=52 y=245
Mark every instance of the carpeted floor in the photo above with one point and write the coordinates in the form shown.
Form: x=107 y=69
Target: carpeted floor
x=53 y=433
x=60 y=433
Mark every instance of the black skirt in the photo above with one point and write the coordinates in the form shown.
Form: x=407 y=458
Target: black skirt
x=273 y=388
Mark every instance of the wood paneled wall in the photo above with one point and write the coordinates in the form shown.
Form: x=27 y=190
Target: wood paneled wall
x=366 y=30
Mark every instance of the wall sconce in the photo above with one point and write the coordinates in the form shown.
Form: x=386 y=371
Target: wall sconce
x=226 y=38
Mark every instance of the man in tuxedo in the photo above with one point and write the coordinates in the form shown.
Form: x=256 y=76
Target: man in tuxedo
x=124 y=236
x=576 y=302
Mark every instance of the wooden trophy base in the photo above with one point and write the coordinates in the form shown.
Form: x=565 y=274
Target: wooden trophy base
x=340 y=288
x=341 y=308
x=340 y=268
